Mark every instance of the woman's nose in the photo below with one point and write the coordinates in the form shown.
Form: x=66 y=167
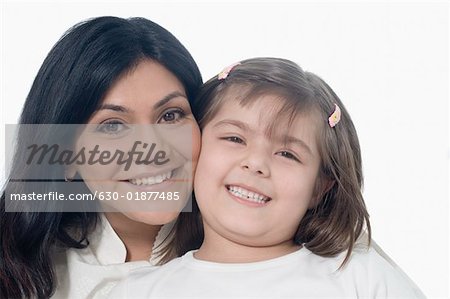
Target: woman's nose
x=151 y=137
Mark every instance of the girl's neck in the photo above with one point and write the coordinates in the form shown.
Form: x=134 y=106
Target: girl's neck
x=216 y=248
x=137 y=237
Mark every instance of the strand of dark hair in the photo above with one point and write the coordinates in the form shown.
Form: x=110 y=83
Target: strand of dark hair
x=69 y=87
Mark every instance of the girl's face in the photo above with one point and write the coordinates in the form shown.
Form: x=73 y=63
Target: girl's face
x=146 y=106
x=253 y=189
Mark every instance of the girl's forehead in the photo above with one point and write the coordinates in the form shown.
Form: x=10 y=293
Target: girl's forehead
x=269 y=109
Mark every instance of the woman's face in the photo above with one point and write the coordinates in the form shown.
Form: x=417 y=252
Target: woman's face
x=146 y=122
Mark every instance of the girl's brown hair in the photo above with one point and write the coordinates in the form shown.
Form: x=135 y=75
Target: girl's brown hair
x=339 y=216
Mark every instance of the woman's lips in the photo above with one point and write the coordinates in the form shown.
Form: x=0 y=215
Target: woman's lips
x=147 y=180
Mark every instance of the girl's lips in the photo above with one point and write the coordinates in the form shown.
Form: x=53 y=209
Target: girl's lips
x=248 y=203
x=246 y=190
x=247 y=197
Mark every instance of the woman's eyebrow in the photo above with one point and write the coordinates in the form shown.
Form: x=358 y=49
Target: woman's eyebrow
x=168 y=98
x=160 y=103
x=116 y=108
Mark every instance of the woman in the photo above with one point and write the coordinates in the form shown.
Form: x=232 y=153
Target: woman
x=111 y=72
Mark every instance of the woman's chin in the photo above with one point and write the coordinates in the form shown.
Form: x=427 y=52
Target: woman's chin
x=152 y=218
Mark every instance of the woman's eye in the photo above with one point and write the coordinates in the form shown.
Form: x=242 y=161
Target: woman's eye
x=288 y=155
x=112 y=127
x=234 y=139
x=172 y=116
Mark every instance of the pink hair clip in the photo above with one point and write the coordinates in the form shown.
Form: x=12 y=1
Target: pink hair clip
x=335 y=117
x=226 y=71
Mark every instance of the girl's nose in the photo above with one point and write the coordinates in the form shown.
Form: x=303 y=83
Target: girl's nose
x=257 y=163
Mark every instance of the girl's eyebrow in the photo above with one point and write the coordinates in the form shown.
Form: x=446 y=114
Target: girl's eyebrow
x=285 y=139
x=241 y=125
x=160 y=103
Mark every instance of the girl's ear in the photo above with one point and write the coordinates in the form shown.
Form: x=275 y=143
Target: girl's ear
x=322 y=187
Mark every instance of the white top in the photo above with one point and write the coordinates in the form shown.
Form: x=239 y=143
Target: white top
x=92 y=272
x=301 y=274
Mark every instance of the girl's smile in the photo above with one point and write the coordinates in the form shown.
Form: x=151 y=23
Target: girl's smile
x=248 y=195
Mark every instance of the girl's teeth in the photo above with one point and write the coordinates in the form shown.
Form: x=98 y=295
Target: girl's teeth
x=247 y=195
x=152 y=180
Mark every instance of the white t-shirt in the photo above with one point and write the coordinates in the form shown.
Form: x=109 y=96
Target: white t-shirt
x=301 y=274
x=93 y=271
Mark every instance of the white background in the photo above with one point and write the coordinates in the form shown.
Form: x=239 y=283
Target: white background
x=388 y=62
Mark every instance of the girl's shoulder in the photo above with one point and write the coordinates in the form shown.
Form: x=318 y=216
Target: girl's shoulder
x=371 y=259
x=369 y=271
x=371 y=267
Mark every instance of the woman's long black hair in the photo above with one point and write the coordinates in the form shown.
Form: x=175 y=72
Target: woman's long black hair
x=68 y=88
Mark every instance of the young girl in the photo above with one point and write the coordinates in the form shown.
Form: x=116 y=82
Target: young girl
x=278 y=185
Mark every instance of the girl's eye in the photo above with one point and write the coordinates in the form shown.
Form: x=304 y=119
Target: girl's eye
x=172 y=116
x=112 y=127
x=288 y=155
x=234 y=139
